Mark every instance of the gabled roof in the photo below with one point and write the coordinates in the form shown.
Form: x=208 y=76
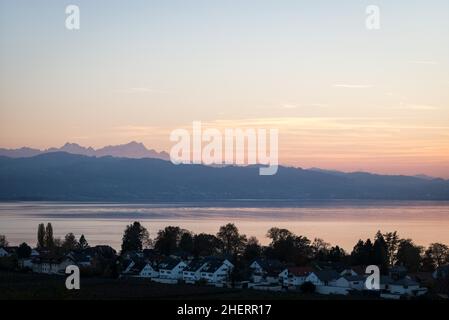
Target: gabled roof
x=212 y=265
x=271 y=266
x=195 y=265
x=80 y=257
x=327 y=275
x=355 y=278
x=300 y=271
x=405 y=282
x=168 y=263
x=10 y=250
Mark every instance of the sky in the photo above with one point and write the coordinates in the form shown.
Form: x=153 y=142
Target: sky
x=342 y=97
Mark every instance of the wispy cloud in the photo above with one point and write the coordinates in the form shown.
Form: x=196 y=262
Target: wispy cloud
x=352 y=86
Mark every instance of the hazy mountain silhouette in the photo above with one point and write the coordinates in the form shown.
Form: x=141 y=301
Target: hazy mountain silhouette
x=129 y=150
x=67 y=177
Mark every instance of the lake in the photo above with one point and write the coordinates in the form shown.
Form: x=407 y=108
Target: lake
x=337 y=222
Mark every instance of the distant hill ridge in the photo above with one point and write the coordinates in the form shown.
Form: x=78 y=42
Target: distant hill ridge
x=133 y=149
x=61 y=176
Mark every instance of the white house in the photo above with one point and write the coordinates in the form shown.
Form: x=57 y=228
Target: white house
x=266 y=271
x=294 y=276
x=406 y=287
x=356 y=282
x=148 y=271
x=51 y=266
x=329 y=282
x=171 y=269
x=217 y=271
x=192 y=272
x=3 y=252
x=140 y=268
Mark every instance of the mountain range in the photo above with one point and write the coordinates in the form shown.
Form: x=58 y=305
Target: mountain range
x=62 y=176
x=133 y=149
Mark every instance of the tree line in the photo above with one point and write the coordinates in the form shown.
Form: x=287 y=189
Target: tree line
x=385 y=250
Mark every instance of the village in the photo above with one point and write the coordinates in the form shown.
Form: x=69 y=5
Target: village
x=229 y=265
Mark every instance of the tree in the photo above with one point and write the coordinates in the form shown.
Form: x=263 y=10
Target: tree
x=362 y=254
x=3 y=241
x=320 y=249
x=439 y=253
x=186 y=242
x=428 y=265
x=233 y=242
x=380 y=252
x=48 y=239
x=82 y=243
x=168 y=239
x=134 y=237
x=253 y=249
x=336 y=254
x=41 y=236
x=276 y=234
x=409 y=255
x=70 y=242
x=23 y=251
x=392 y=241
x=205 y=245
x=287 y=247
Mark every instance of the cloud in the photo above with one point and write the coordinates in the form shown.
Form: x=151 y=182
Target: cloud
x=352 y=86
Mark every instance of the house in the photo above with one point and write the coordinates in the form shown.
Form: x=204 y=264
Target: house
x=192 y=272
x=81 y=259
x=356 y=282
x=127 y=265
x=35 y=253
x=51 y=265
x=406 y=287
x=3 y=252
x=171 y=268
x=7 y=251
x=216 y=271
x=397 y=272
x=322 y=277
x=295 y=276
x=329 y=282
x=148 y=271
x=353 y=271
x=266 y=271
x=140 y=268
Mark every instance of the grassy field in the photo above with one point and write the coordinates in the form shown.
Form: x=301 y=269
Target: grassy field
x=37 y=286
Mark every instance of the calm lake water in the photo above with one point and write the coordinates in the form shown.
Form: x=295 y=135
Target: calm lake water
x=337 y=222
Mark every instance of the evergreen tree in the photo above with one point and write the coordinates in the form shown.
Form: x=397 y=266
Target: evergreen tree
x=134 y=237
x=48 y=239
x=82 y=243
x=380 y=252
x=41 y=236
